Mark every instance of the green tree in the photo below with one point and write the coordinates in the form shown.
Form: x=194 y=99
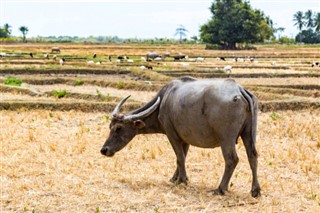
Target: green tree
x=181 y=31
x=3 y=33
x=234 y=21
x=194 y=38
x=308 y=17
x=309 y=36
x=7 y=29
x=279 y=30
x=317 y=22
x=24 y=30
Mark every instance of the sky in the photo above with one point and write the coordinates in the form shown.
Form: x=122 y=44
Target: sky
x=131 y=18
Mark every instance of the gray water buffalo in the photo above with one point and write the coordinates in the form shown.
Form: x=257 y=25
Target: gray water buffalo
x=202 y=113
x=55 y=50
x=152 y=55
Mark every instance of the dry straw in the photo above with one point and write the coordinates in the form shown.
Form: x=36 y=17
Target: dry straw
x=50 y=162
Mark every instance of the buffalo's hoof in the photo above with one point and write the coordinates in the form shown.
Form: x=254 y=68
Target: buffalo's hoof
x=173 y=179
x=179 y=180
x=256 y=192
x=217 y=191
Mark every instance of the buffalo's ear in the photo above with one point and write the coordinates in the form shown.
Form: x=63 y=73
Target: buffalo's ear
x=139 y=124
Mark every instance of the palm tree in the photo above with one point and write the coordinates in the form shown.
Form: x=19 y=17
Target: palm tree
x=298 y=19
x=24 y=30
x=308 y=17
x=181 y=31
x=317 y=22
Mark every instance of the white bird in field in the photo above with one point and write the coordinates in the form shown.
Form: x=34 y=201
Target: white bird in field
x=184 y=64
x=200 y=59
x=143 y=59
x=227 y=69
x=61 y=61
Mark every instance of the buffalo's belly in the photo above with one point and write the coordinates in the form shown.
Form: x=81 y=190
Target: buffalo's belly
x=198 y=137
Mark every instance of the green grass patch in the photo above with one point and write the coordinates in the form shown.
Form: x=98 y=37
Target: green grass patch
x=120 y=85
x=13 y=81
x=59 y=93
x=79 y=82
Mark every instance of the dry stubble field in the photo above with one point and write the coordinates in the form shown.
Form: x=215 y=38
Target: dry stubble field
x=50 y=160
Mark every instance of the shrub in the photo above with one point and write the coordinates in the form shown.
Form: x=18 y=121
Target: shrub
x=286 y=40
x=79 y=82
x=13 y=81
x=120 y=85
x=275 y=116
x=59 y=93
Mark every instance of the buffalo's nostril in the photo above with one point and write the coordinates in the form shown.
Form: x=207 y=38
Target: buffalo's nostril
x=104 y=151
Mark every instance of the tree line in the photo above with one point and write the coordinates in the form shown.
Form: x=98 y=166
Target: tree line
x=308 y=24
x=234 y=23
x=5 y=31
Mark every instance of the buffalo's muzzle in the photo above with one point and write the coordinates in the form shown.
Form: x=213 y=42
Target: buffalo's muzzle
x=106 y=151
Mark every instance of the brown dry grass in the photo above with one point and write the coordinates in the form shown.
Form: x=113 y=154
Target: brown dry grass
x=50 y=162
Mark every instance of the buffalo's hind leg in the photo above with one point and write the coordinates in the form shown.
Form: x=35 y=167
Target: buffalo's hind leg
x=253 y=161
x=177 y=177
x=231 y=160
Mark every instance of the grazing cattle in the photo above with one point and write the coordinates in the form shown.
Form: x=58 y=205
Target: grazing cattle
x=55 y=50
x=149 y=67
x=202 y=113
x=31 y=55
x=122 y=57
x=165 y=55
x=152 y=55
x=94 y=55
x=251 y=59
x=315 y=64
x=109 y=58
x=179 y=57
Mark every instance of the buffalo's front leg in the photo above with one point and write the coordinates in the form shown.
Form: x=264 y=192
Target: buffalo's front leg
x=180 y=177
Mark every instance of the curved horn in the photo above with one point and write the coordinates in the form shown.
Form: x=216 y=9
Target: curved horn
x=117 y=108
x=144 y=113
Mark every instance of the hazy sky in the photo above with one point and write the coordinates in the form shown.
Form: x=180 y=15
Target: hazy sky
x=130 y=19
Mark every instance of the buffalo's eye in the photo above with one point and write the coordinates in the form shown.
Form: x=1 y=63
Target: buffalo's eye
x=118 y=128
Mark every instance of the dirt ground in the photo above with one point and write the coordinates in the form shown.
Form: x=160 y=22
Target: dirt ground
x=50 y=162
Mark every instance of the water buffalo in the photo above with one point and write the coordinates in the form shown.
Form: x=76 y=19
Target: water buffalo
x=202 y=113
x=55 y=50
x=152 y=55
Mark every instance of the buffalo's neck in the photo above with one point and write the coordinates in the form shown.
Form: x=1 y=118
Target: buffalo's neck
x=152 y=124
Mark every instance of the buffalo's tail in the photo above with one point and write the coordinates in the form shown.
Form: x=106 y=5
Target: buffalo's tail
x=253 y=108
